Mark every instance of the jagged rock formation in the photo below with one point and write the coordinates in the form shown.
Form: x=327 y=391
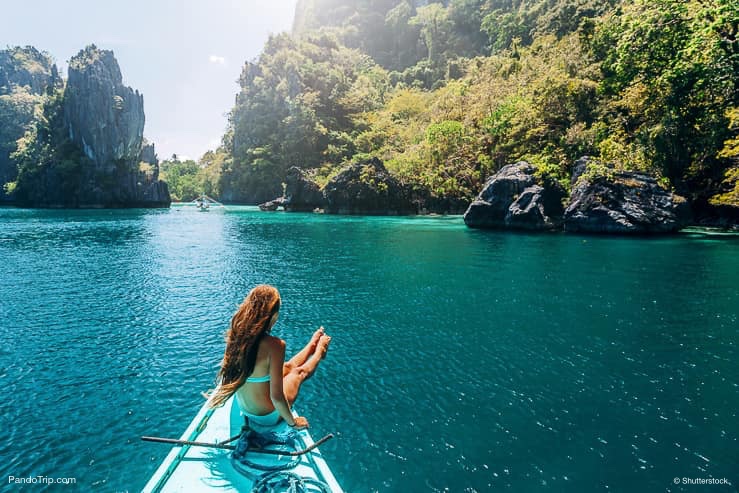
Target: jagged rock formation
x=622 y=202
x=104 y=118
x=27 y=67
x=148 y=156
x=512 y=199
x=537 y=208
x=626 y=202
x=362 y=188
x=91 y=154
x=301 y=193
x=26 y=74
x=272 y=205
x=148 y=153
x=490 y=208
x=366 y=188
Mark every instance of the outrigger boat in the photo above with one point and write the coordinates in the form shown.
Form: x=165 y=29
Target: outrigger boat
x=204 y=459
x=204 y=203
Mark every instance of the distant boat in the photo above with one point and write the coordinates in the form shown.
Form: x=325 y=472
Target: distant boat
x=201 y=460
x=204 y=203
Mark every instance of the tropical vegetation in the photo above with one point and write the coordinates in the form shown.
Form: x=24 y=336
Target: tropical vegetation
x=445 y=93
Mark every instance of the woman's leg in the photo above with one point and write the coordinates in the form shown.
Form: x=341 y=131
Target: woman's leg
x=301 y=373
x=304 y=353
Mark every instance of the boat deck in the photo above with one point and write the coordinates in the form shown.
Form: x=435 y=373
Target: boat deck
x=196 y=469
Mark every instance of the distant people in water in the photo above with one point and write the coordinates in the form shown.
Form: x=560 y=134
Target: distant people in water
x=254 y=367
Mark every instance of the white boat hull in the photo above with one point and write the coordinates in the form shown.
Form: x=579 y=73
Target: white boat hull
x=200 y=469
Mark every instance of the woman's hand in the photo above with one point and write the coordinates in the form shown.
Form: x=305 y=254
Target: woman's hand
x=300 y=423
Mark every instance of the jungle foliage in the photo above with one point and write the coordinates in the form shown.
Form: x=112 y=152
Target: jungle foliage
x=445 y=93
x=28 y=77
x=188 y=179
x=49 y=164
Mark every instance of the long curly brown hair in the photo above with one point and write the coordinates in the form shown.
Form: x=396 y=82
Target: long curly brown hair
x=248 y=326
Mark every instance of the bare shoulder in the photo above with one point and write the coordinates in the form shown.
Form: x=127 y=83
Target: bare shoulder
x=274 y=344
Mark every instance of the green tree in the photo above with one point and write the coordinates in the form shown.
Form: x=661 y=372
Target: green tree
x=18 y=111
x=300 y=104
x=184 y=179
x=670 y=70
x=51 y=169
x=435 y=27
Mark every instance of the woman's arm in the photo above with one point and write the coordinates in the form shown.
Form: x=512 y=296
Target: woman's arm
x=276 y=391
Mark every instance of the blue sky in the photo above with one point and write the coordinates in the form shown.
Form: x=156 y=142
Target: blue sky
x=183 y=56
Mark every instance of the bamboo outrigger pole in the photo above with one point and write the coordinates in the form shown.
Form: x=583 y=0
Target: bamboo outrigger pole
x=224 y=445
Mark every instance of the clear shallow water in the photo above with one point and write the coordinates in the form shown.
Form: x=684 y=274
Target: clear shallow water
x=462 y=360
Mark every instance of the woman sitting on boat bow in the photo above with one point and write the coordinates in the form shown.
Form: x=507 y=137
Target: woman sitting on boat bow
x=254 y=366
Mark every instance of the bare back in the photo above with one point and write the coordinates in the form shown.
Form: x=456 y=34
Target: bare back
x=254 y=397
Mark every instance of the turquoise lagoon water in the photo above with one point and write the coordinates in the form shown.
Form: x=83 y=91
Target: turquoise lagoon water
x=462 y=360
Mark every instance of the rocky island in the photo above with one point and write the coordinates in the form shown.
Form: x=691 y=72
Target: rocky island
x=619 y=202
x=86 y=149
x=517 y=197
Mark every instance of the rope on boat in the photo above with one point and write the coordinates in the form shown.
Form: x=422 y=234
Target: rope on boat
x=288 y=482
x=250 y=439
x=277 y=479
x=243 y=461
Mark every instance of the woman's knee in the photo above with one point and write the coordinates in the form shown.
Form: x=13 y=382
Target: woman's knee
x=299 y=372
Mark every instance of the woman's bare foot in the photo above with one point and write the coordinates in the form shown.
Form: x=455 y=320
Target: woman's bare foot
x=306 y=352
x=322 y=347
x=316 y=337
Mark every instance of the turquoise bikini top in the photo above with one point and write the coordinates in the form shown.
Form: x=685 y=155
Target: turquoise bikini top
x=265 y=378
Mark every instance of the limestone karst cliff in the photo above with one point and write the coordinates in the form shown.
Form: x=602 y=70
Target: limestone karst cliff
x=104 y=117
x=86 y=150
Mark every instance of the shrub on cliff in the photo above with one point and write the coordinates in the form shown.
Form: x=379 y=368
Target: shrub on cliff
x=26 y=76
x=50 y=166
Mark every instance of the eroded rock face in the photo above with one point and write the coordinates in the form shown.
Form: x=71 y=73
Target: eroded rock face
x=272 y=205
x=578 y=168
x=149 y=156
x=366 y=188
x=490 y=208
x=90 y=152
x=537 y=208
x=27 y=67
x=104 y=118
x=301 y=193
x=148 y=153
x=512 y=199
x=627 y=202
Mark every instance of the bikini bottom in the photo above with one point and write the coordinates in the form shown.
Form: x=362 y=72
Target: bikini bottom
x=263 y=421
